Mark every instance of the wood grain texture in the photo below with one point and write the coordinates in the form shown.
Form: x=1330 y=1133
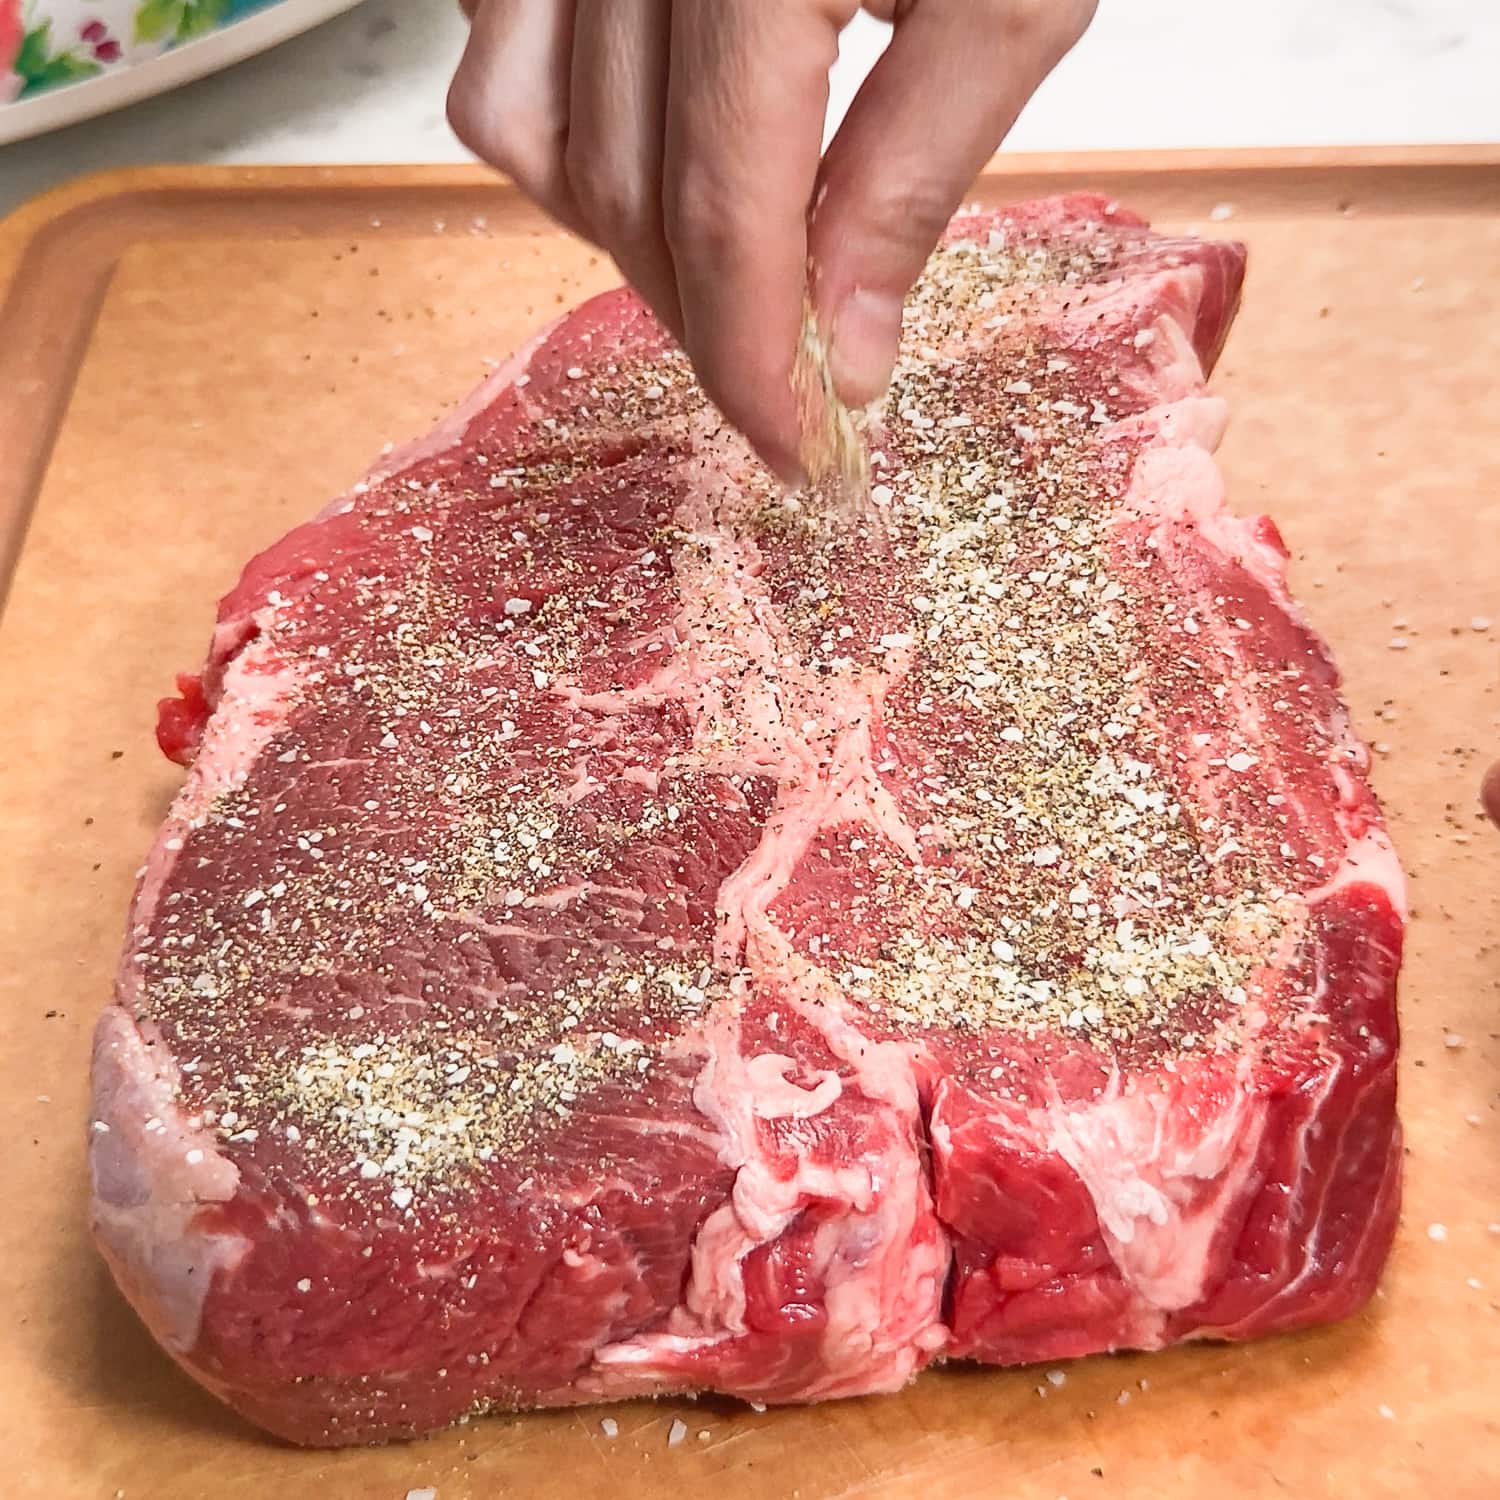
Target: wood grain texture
x=191 y=363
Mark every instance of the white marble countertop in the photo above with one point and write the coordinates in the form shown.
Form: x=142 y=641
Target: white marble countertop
x=369 y=87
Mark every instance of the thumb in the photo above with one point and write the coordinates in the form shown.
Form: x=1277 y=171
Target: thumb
x=931 y=113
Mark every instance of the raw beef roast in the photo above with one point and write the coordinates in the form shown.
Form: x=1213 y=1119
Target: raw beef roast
x=626 y=929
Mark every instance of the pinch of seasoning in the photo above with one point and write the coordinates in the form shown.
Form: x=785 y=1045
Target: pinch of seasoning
x=832 y=448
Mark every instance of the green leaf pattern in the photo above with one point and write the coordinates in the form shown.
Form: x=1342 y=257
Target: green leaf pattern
x=45 y=60
x=178 y=20
x=39 y=66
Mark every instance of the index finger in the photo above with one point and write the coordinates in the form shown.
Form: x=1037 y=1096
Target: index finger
x=746 y=97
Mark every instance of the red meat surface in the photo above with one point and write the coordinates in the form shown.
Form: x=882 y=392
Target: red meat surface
x=627 y=929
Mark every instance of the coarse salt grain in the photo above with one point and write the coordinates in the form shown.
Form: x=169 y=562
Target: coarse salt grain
x=1437 y=1232
x=1480 y=622
x=1386 y=1412
x=676 y=1432
x=1221 y=211
x=1056 y=1377
x=609 y=1427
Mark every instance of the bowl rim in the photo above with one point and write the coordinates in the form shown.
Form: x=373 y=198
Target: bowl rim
x=243 y=37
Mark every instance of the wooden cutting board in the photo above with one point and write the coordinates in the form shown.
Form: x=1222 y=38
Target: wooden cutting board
x=193 y=360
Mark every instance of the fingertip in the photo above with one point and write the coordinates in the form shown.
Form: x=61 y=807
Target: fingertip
x=744 y=365
x=790 y=473
x=776 y=446
x=1489 y=793
x=770 y=431
x=863 y=341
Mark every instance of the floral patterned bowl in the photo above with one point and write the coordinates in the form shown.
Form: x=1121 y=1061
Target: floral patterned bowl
x=64 y=60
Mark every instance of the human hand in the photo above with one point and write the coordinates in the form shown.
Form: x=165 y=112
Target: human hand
x=684 y=138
